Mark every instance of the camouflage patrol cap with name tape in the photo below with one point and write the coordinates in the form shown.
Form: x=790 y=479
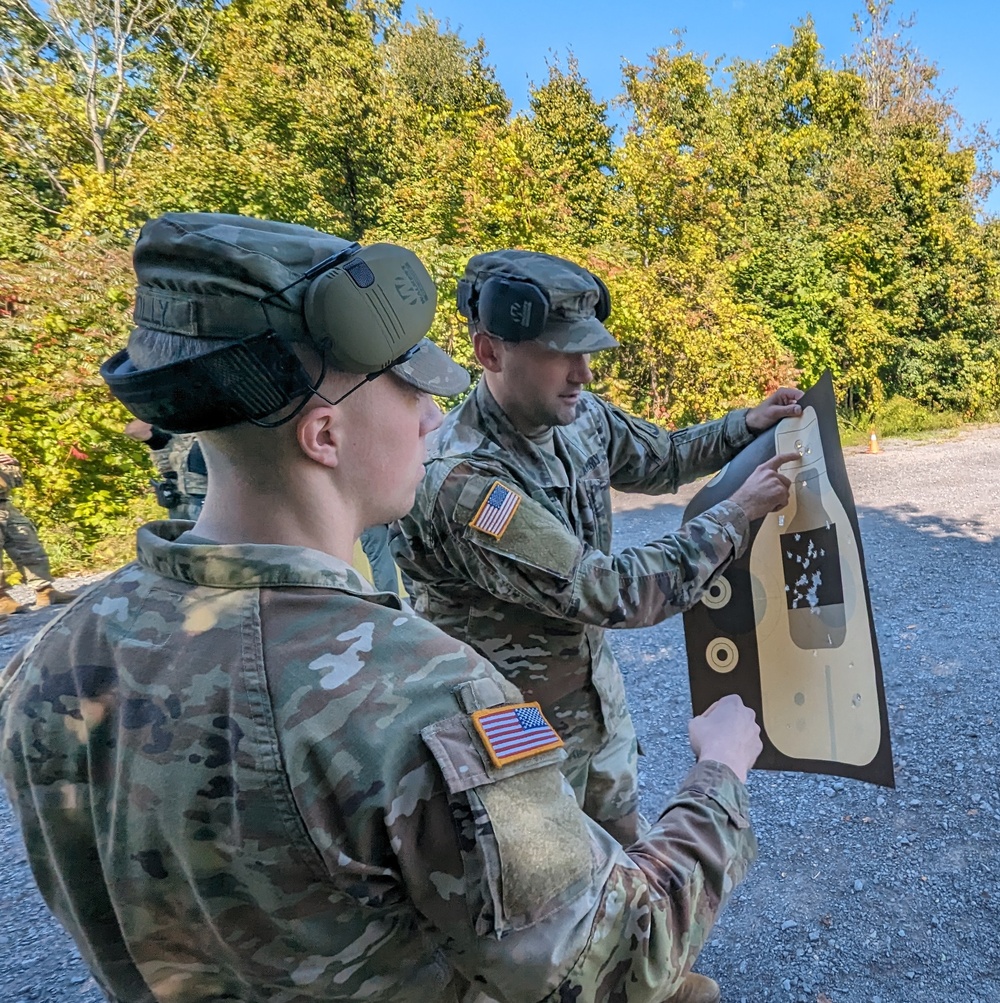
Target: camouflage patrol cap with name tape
x=573 y=296
x=203 y=275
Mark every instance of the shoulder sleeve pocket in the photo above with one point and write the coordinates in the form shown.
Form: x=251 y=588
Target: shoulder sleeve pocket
x=532 y=536
x=524 y=840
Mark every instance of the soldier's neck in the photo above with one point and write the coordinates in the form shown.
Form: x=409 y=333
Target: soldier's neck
x=526 y=424
x=295 y=517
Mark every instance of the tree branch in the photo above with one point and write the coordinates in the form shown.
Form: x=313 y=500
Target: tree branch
x=33 y=201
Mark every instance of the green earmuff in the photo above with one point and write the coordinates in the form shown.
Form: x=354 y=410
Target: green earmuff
x=364 y=308
x=370 y=308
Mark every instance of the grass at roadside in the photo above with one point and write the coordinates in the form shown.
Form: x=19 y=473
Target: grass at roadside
x=900 y=418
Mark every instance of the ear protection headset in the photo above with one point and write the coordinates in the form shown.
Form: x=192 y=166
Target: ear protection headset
x=516 y=309
x=365 y=309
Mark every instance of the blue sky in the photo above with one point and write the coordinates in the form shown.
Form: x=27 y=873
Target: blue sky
x=960 y=36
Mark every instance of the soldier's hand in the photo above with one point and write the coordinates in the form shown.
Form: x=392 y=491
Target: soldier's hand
x=766 y=489
x=783 y=403
x=727 y=733
x=139 y=430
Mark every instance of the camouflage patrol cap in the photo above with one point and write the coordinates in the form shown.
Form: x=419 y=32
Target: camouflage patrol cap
x=203 y=275
x=574 y=296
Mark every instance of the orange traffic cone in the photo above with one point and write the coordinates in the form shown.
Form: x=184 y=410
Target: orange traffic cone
x=873 y=446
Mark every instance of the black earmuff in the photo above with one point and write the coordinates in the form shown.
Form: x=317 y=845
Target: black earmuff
x=602 y=310
x=512 y=309
x=516 y=309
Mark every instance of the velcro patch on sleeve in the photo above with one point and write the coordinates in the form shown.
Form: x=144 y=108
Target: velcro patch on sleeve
x=515 y=731
x=496 y=511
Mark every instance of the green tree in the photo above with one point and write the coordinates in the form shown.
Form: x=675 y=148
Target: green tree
x=64 y=313
x=948 y=355
x=690 y=348
x=81 y=83
x=573 y=154
x=689 y=351
x=444 y=97
x=284 y=122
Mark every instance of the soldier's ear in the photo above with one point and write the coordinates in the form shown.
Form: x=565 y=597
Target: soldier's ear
x=319 y=432
x=489 y=351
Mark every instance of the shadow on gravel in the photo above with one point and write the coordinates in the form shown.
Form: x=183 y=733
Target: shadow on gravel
x=860 y=893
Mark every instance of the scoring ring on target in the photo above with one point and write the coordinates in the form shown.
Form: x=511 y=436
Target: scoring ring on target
x=722 y=654
x=718 y=593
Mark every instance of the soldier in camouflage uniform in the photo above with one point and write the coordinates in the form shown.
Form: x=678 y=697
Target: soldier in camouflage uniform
x=243 y=775
x=509 y=543
x=181 y=465
x=19 y=541
x=184 y=470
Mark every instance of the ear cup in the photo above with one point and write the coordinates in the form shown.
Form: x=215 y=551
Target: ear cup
x=370 y=309
x=602 y=310
x=513 y=310
x=465 y=298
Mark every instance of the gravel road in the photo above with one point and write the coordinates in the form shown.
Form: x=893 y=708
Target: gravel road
x=860 y=894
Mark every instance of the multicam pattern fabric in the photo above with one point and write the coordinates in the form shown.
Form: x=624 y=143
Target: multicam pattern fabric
x=186 y=487
x=10 y=475
x=173 y=457
x=240 y=775
x=537 y=601
x=19 y=541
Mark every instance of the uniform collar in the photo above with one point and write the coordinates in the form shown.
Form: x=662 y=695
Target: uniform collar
x=497 y=424
x=242 y=565
x=480 y=427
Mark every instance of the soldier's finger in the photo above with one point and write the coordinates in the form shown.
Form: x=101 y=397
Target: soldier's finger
x=729 y=698
x=780 y=460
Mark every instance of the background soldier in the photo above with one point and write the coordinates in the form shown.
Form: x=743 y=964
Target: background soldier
x=241 y=774
x=19 y=540
x=509 y=543
x=179 y=459
x=373 y=559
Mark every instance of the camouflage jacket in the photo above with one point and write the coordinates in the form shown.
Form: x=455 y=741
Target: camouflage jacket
x=10 y=475
x=241 y=775
x=536 y=600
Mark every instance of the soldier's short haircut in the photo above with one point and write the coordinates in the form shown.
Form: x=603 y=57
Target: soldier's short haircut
x=149 y=349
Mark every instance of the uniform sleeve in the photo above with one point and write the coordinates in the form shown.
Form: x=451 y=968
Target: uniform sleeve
x=649 y=459
x=538 y=562
x=441 y=845
x=534 y=899
x=55 y=822
x=158 y=439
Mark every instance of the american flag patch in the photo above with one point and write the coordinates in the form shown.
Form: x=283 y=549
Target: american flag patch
x=514 y=732
x=496 y=511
